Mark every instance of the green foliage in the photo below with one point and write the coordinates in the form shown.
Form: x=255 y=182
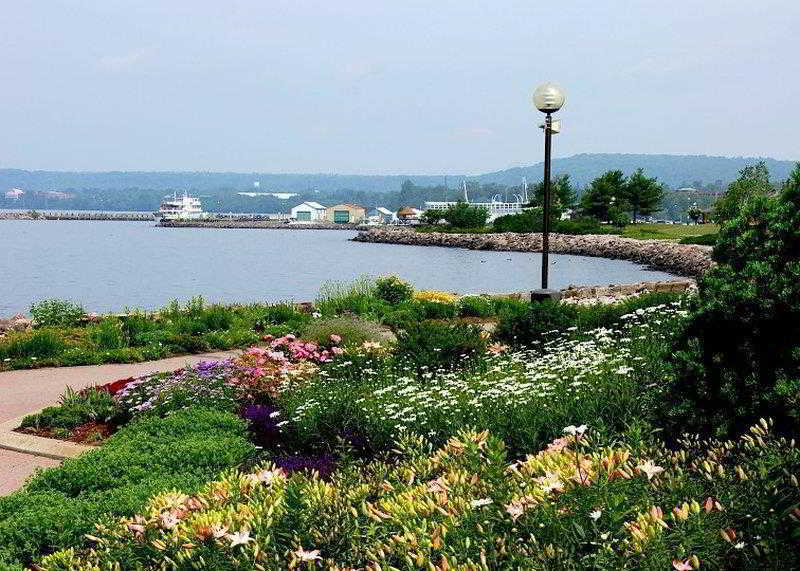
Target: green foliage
x=435 y=309
x=462 y=215
x=467 y=505
x=475 y=306
x=75 y=409
x=563 y=194
x=57 y=313
x=59 y=505
x=431 y=345
x=393 y=290
x=37 y=344
x=643 y=195
x=402 y=318
x=739 y=358
x=337 y=298
x=605 y=192
x=531 y=220
x=106 y=335
x=753 y=182
x=353 y=330
x=524 y=325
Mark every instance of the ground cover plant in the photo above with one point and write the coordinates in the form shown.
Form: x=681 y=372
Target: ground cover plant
x=65 y=336
x=59 y=505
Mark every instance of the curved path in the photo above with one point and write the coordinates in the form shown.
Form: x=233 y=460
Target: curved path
x=29 y=390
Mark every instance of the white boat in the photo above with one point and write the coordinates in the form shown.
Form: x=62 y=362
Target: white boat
x=183 y=207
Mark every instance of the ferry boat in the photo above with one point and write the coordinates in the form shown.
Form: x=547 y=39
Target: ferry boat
x=183 y=207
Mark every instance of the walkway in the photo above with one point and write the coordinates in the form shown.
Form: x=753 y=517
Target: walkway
x=29 y=390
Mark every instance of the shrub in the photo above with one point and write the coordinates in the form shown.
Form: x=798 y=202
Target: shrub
x=435 y=309
x=463 y=215
x=38 y=344
x=106 y=335
x=59 y=505
x=433 y=345
x=352 y=330
x=475 y=306
x=523 y=325
x=57 y=313
x=393 y=290
x=531 y=221
x=75 y=409
x=739 y=358
x=402 y=318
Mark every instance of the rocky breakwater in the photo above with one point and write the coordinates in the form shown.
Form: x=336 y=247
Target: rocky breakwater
x=680 y=259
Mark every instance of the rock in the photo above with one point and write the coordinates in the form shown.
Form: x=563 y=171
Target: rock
x=18 y=322
x=689 y=260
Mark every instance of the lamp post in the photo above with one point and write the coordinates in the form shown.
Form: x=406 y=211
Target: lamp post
x=548 y=99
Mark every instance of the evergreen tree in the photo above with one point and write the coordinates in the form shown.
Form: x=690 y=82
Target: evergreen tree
x=642 y=195
x=604 y=193
x=562 y=193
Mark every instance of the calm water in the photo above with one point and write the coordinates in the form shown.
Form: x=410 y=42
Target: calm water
x=109 y=265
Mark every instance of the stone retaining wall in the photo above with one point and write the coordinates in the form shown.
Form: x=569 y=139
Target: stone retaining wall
x=680 y=259
x=256 y=224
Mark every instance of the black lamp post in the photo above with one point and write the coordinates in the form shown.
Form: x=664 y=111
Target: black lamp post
x=548 y=99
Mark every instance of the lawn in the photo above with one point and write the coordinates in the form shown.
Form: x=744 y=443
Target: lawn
x=668 y=231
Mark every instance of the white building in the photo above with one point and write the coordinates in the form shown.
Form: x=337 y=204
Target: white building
x=381 y=215
x=15 y=194
x=309 y=212
x=495 y=208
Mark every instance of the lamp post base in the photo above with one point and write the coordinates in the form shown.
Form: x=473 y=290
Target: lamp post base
x=543 y=294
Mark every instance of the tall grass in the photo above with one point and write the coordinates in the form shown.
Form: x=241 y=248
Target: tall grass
x=338 y=297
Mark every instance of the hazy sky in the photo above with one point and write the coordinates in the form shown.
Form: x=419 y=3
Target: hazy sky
x=389 y=87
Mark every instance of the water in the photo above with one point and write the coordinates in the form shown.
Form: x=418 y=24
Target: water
x=107 y=266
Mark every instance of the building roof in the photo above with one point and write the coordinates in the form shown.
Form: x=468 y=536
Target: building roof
x=383 y=210
x=349 y=205
x=310 y=204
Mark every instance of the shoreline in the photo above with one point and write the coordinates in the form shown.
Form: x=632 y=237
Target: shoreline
x=683 y=260
x=256 y=224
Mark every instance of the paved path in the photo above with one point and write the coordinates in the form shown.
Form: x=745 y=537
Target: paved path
x=28 y=390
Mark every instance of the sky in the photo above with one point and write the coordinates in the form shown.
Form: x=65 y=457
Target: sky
x=390 y=87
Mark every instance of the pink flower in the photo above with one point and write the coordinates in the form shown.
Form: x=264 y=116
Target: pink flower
x=336 y=339
x=337 y=350
x=682 y=565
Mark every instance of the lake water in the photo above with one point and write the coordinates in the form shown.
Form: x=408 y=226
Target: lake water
x=107 y=266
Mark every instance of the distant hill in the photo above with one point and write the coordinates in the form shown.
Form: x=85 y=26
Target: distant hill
x=674 y=170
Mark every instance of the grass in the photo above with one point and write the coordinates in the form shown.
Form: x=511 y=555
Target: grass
x=673 y=232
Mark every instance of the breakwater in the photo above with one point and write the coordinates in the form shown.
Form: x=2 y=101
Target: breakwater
x=256 y=224
x=680 y=259
x=77 y=215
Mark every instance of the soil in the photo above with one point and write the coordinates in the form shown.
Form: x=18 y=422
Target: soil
x=90 y=433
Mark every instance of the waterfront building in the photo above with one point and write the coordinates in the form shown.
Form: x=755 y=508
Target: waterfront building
x=496 y=208
x=346 y=213
x=15 y=194
x=409 y=215
x=381 y=215
x=308 y=212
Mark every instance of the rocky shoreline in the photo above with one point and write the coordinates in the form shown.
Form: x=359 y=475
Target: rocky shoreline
x=687 y=260
x=256 y=224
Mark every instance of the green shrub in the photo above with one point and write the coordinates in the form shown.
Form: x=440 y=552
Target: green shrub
x=38 y=344
x=523 y=325
x=59 y=505
x=353 y=330
x=463 y=215
x=435 y=309
x=402 y=318
x=531 y=220
x=607 y=314
x=475 y=306
x=75 y=409
x=431 y=345
x=393 y=290
x=137 y=327
x=106 y=335
x=57 y=313
x=739 y=358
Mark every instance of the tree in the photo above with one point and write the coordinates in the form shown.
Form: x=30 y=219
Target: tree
x=432 y=216
x=738 y=357
x=604 y=192
x=753 y=181
x=462 y=215
x=642 y=195
x=561 y=191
